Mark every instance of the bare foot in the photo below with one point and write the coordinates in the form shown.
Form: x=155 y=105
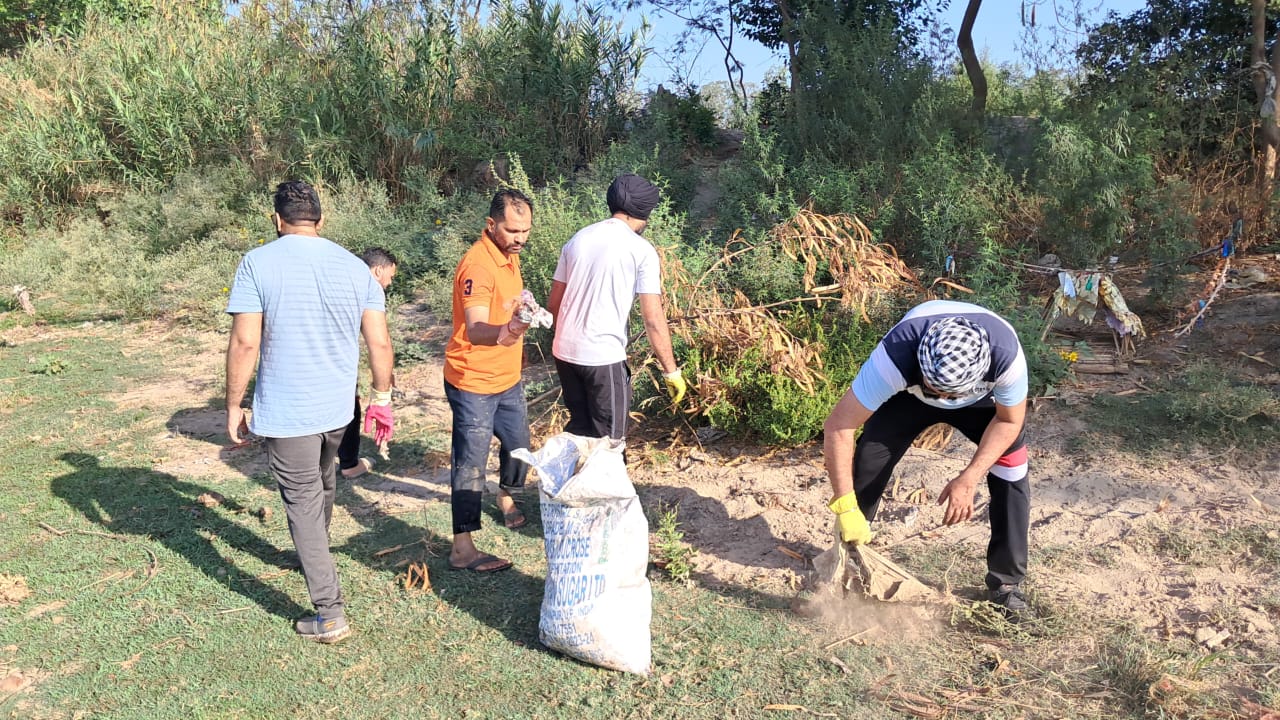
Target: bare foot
x=511 y=515
x=465 y=556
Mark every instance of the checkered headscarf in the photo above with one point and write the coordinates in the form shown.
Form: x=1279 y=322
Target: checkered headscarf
x=954 y=354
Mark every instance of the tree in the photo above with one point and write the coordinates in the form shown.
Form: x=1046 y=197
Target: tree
x=1265 y=87
x=776 y=23
x=1182 y=65
x=972 y=67
x=715 y=18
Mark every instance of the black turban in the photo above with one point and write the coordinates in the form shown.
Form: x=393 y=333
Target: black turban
x=633 y=195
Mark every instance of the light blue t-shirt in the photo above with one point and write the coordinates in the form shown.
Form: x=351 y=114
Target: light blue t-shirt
x=312 y=294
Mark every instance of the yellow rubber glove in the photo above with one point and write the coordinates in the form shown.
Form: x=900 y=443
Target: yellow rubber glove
x=676 y=386
x=854 y=527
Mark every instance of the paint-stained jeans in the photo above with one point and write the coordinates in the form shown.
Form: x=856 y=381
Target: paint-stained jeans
x=477 y=419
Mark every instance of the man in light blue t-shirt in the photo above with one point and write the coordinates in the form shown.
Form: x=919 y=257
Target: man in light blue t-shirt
x=299 y=306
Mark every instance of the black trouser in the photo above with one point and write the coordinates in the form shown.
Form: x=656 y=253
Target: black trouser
x=598 y=398
x=891 y=430
x=349 y=448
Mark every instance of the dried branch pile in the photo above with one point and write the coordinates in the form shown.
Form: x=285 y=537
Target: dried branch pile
x=725 y=327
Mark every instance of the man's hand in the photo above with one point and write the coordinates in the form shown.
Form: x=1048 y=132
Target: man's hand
x=513 y=331
x=378 y=415
x=237 y=426
x=676 y=386
x=854 y=527
x=958 y=497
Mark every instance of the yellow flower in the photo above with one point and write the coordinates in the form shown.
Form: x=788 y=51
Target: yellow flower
x=226 y=289
x=261 y=240
x=439 y=221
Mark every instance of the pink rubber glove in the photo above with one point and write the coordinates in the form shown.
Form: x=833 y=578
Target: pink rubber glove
x=383 y=425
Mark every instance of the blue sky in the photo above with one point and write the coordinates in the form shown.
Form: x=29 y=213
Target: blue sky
x=997 y=35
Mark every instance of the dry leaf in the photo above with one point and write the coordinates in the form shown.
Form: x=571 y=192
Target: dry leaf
x=13 y=589
x=210 y=499
x=790 y=553
x=1260 y=712
x=39 y=610
x=387 y=551
x=13 y=682
x=416 y=576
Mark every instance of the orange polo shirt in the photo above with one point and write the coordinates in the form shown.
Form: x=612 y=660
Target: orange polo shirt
x=486 y=277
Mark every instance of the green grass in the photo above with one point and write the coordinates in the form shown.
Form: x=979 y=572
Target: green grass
x=1204 y=405
x=151 y=605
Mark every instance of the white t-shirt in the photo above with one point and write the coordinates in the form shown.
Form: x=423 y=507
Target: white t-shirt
x=604 y=266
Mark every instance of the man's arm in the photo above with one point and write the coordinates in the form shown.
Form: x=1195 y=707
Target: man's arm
x=655 y=326
x=242 y=356
x=373 y=326
x=996 y=439
x=553 y=301
x=480 y=332
x=838 y=434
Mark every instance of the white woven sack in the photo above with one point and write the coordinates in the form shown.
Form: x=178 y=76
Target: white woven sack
x=597 y=603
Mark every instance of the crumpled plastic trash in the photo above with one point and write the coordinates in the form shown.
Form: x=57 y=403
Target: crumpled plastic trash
x=531 y=313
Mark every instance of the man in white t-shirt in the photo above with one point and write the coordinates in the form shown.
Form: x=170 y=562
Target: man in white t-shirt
x=602 y=270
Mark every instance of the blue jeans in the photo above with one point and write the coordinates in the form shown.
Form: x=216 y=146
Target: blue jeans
x=477 y=419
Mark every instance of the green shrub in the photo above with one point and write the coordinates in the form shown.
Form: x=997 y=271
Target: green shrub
x=1087 y=180
x=672 y=554
x=756 y=188
x=87 y=270
x=193 y=208
x=777 y=410
x=1164 y=225
x=683 y=118
x=385 y=91
x=1205 y=404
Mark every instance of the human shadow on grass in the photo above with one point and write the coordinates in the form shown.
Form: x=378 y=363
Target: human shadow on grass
x=130 y=501
x=507 y=601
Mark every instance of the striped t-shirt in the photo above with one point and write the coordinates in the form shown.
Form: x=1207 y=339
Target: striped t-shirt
x=312 y=294
x=894 y=367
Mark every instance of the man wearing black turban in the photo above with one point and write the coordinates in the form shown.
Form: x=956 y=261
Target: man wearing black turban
x=602 y=270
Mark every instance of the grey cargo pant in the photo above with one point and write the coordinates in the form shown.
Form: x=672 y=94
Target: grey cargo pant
x=304 y=470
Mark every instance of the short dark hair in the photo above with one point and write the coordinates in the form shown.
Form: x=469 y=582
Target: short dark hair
x=504 y=199
x=376 y=257
x=295 y=201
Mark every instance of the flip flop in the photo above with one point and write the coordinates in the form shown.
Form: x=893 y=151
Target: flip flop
x=474 y=565
x=514 y=520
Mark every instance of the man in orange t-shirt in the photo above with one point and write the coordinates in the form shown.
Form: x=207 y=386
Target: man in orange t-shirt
x=482 y=376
